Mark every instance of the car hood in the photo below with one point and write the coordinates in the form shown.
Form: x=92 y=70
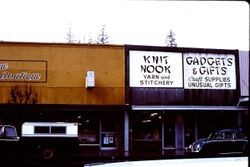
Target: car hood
x=200 y=141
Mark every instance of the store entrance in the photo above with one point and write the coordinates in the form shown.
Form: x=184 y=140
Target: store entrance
x=147 y=132
x=190 y=130
x=108 y=134
x=169 y=132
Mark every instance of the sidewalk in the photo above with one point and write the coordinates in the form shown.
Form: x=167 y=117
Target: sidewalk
x=165 y=154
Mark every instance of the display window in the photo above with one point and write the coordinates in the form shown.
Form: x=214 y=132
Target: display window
x=147 y=126
x=88 y=129
x=147 y=132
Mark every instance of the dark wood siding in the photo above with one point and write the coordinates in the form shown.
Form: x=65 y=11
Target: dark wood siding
x=160 y=96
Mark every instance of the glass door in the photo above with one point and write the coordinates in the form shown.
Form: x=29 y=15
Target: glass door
x=108 y=134
x=189 y=131
x=169 y=132
x=147 y=132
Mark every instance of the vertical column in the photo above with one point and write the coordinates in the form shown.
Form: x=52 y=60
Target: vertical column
x=162 y=136
x=196 y=129
x=179 y=132
x=239 y=119
x=126 y=134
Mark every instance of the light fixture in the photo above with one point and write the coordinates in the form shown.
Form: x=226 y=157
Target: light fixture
x=90 y=79
x=153 y=114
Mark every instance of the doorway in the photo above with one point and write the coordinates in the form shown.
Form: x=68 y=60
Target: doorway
x=147 y=132
x=108 y=134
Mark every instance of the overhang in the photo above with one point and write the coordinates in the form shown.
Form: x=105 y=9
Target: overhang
x=188 y=107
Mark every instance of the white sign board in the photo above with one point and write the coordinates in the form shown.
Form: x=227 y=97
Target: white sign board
x=155 y=69
x=209 y=71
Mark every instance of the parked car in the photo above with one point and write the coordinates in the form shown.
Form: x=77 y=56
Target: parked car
x=225 y=141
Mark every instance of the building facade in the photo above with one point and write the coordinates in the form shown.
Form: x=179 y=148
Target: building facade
x=128 y=100
x=179 y=95
x=62 y=82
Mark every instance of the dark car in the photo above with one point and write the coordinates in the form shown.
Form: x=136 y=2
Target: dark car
x=225 y=141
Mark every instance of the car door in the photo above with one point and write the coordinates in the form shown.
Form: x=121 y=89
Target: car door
x=8 y=140
x=238 y=142
x=228 y=142
x=224 y=142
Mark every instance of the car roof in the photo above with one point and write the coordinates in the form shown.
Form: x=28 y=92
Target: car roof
x=228 y=130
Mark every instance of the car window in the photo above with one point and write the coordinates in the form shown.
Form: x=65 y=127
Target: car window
x=228 y=135
x=7 y=132
x=221 y=135
x=1 y=131
x=10 y=132
x=239 y=135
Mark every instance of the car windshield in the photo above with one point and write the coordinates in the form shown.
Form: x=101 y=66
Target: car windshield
x=213 y=135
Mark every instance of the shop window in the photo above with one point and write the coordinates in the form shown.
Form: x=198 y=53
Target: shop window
x=147 y=126
x=108 y=125
x=88 y=129
x=147 y=132
x=169 y=132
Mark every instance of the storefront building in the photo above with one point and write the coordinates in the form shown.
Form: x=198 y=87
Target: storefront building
x=128 y=100
x=178 y=95
x=66 y=82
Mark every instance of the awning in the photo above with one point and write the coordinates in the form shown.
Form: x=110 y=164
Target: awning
x=243 y=101
x=188 y=107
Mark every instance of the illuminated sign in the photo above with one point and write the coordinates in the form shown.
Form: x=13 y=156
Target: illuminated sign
x=155 y=69
x=209 y=71
x=23 y=71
